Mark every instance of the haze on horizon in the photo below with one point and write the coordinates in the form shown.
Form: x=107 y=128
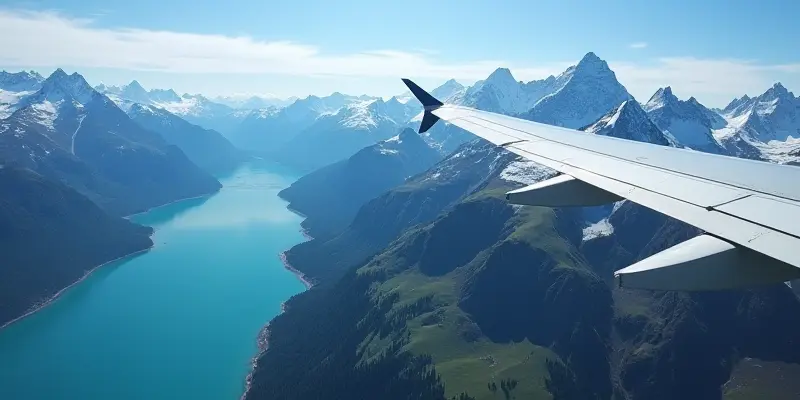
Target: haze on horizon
x=710 y=50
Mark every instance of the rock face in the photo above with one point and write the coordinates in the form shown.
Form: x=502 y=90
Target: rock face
x=79 y=236
x=331 y=196
x=589 y=90
x=687 y=123
x=765 y=127
x=628 y=121
x=68 y=132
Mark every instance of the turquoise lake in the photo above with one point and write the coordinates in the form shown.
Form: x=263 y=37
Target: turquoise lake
x=177 y=322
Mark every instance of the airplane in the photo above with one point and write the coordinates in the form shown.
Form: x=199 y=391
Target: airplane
x=748 y=210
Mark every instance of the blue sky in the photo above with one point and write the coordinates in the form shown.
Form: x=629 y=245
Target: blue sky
x=713 y=50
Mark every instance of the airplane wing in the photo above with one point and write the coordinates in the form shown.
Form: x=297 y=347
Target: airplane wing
x=749 y=210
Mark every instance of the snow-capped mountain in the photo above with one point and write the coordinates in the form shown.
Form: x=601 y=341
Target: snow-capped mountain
x=69 y=132
x=500 y=93
x=335 y=136
x=629 y=121
x=575 y=98
x=23 y=81
x=265 y=130
x=447 y=90
x=253 y=102
x=14 y=87
x=196 y=108
x=766 y=126
x=582 y=94
x=688 y=122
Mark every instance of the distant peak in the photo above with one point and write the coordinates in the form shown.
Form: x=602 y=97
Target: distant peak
x=631 y=108
x=661 y=97
x=590 y=57
x=591 y=60
x=777 y=91
x=58 y=74
x=453 y=82
x=59 y=84
x=135 y=84
x=500 y=75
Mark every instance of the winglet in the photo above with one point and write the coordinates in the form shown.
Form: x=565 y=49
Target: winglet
x=429 y=102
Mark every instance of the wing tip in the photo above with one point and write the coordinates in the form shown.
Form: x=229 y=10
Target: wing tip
x=428 y=101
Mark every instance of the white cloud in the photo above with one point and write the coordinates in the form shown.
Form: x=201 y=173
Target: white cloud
x=638 y=45
x=712 y=81
x=49 y=40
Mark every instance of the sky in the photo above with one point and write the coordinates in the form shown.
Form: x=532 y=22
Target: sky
x=712 y=50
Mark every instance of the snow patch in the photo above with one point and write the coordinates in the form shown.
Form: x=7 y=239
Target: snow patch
x=598 y=229
x=45 y=113
x=526 y=172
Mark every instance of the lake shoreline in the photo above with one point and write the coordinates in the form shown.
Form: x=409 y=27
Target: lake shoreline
x=58 y=294
x=262 y=340
x=54 y=297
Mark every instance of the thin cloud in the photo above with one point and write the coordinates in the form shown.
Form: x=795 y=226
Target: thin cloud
x=714 y=81
x=62 y=41
x=638 y=45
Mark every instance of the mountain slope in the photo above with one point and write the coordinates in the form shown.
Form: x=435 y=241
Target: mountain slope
x=78 y=237
x=589 y=90
x=266 y=130
x=765 y=127
x=454 y=281
x=628 y=121
x=195 y=109
x=687 y=123
x=205 y=147
x=14 y=87
x=69 y=133
x=330 y=196
x=334 y=137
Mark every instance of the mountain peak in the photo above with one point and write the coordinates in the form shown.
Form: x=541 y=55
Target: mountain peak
x=592 y=62
x=57 y=74
x=135 y=85
x=60 y=85
x=501 y=75
x=451 y=82
x=135 y=92
x=628 y=121
x=777 y=91
x=661 y=98
x=22 y=81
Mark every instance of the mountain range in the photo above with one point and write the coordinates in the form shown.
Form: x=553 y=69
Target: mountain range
x=439 y=277
x=428 y=284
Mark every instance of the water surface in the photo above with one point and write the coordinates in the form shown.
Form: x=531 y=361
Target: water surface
x=177 y=322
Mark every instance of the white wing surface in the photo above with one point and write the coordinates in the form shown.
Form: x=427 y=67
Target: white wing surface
x=749 y=210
